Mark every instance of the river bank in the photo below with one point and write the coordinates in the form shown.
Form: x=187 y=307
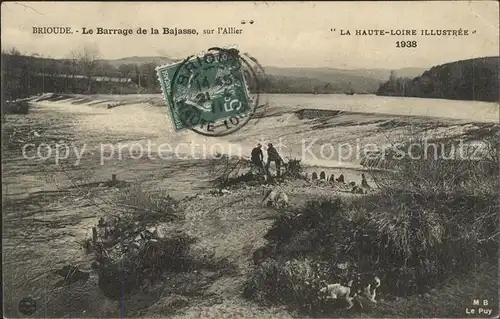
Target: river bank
x=49 y=208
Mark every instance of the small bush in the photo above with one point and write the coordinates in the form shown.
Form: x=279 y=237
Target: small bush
x=149 y=208
x=293 y=169
x=263 y=285
x=130 y=250
x=296 y=282
x=312 y=216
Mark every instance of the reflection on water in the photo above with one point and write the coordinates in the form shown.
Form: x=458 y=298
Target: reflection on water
x=473 y=111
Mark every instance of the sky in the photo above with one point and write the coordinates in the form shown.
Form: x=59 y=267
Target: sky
x=284 y=34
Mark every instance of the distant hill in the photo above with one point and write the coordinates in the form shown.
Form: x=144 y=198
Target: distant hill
x=336 y=78
x=319 y=73
x=320 y=80
x=342 y=80
x=28 y=75
x=383 y=74
x=140 y=60
x=329 y=73
x=472 y=79
x=294 y=84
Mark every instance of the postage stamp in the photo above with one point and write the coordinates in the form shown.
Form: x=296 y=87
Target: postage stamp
x=210 y=91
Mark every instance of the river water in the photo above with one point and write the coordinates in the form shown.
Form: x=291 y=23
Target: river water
x=473 y=111
x=360 y=123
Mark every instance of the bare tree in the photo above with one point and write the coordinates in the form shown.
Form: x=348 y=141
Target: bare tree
x=73 y=65
x=87 y=60
x=392 y=77
x=14 y=52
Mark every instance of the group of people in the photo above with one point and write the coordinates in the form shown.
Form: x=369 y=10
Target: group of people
x=257 y=158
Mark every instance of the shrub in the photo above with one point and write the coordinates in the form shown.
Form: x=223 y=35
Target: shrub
x=312 y=216
x=296 y=282
x=130 y=250
x=149 y=207
x=228 y=172
x=293 y=169
x=263 y=286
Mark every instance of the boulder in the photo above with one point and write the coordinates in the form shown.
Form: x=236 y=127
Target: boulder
x=340 y=179
x=364 y=182
x=71 y=274
x=101 y=222
x=357 y=190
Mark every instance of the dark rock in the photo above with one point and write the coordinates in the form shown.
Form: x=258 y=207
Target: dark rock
x=357 y=190
x=71 y=275
x=364 y=182
x=101 y=222
x=88 y=246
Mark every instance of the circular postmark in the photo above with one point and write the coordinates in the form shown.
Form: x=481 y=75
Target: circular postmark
x=217 y=93
x=27 y=306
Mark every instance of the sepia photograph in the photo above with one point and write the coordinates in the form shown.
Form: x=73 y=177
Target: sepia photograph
x=253 y=159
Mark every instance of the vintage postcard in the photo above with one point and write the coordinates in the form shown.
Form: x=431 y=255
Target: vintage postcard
x=250 y=159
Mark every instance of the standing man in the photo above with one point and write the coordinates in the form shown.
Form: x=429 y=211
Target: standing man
x=273 y=156
x=257 y=157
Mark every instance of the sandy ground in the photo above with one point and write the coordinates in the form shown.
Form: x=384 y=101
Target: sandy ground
x=45 y=217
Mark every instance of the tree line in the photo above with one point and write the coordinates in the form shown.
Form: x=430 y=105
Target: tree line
x=83 y=73
x=474 y=79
